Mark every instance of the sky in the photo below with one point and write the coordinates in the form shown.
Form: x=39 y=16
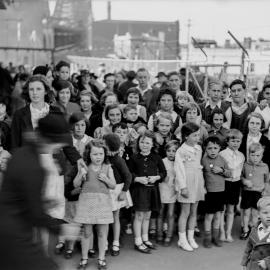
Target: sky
x=210 y=19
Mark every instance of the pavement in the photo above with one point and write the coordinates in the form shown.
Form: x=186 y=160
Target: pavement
x=227 y=257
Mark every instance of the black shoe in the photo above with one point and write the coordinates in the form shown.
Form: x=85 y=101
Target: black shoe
x=59 y=248
x=167 y=241
x=152 y=233
x=142 y=248
x=68 y=253
x=83 y=263
x=102 y=265
x=91 y=253
x=115 y=251
x=149 y=244
x=244 y=235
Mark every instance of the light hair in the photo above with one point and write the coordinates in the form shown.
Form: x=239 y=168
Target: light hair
x=255 y=147
x=263 y=202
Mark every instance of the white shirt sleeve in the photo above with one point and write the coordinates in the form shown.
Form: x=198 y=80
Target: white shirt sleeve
x=179 y=167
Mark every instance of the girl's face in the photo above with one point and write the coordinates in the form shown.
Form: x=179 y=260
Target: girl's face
x=266 y=94
x=122 y=134
x=86 y=79
x=170 y=153
x=145 y=145
x=164 y=126
x=64 y=96
x=218 y=120
x=110 y=100
x=182 y=101
x=254 y=125
x=85 y=103
x=166 y=103
x=192 y=115
x=79 y=129
x=133 y=99
x=97 y=155
x=256 y=157
x=114 y=116
x=37 y=92
x=193 y=138
x=132 y=115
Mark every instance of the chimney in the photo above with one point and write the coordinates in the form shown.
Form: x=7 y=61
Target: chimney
x=109 y=10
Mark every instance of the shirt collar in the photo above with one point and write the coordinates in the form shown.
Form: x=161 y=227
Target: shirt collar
x=212 y=105
x=192 y=148
x=261 y=227
x=145 y=90
x=83 y=140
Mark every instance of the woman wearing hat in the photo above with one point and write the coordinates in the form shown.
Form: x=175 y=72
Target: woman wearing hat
x=25 y=120
x=22 y=198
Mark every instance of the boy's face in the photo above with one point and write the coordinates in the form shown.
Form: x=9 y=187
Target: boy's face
x=234 y=143
x=133 y=99
x=212 y=150
x=64 y=73
x=264 y=214
x=166 y=103
x=171 y=153
x=131 y=115
x=256 y=157
x=238 y=93
x=143 y=79
x=215 y=93
x=224 y=93
x=122 y=134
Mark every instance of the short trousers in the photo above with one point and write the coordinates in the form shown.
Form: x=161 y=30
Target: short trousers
x=214 y=202
x=232 y=192
x=250 y=199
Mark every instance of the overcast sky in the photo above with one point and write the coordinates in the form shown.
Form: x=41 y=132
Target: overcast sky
x=209 y=18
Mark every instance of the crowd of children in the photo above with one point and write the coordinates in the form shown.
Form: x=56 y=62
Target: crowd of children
x=153 y=159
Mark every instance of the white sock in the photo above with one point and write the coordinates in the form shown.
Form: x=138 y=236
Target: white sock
x=145 y=237
x=116 y=243
x=138 y=241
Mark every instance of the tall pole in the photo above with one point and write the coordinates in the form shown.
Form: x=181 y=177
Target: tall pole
x=187 y=59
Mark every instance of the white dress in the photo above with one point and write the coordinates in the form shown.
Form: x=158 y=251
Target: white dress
x=167 y=189
x=189 y=174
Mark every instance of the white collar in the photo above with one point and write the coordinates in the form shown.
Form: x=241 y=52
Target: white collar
x=146 y=89
x=212 y=105
x=231 y=152
x=191 y=148
x=261 y=227
x=83 y=140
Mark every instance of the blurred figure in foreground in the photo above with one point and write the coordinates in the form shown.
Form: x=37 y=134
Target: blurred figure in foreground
x=22 y=198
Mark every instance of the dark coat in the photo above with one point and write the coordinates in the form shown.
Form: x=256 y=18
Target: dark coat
x=150 y=100
x=256 y=250
x=22 y=123
x=21 y=209
x=264 y=142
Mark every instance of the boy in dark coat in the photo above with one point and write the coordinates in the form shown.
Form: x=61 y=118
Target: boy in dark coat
x=257 y=253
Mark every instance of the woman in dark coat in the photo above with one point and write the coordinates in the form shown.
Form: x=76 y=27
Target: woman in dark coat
x=25 y=119
x=21 y=199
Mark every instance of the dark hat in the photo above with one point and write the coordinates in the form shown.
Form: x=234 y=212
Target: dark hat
x=112 y=141
x=59 y=85
x=42 y=70
x=93 y=75
x=131 y=74
x=160 y=74
x=84 y=72
x=55 y=128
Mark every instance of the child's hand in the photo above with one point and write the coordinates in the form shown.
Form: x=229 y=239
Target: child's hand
x=263 y=104
x=184 y=192
x=166 y=180
x=102 y=177
x=159 y=138
x=262 y=264
x=133 y=134
x=122 y=196
x=248 y=183
x=217 y=170
x=76 y=191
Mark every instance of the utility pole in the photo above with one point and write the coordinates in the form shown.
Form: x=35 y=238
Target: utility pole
x=187 y=59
